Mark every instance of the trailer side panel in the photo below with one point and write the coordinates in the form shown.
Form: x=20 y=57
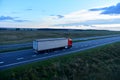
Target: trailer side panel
x=45 y=44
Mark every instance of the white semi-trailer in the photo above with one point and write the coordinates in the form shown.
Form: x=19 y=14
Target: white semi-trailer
x=51 y=43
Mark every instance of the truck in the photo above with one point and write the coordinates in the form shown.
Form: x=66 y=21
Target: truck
x=49 y=44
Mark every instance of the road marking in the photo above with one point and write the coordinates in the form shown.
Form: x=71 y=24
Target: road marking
x=1 y=62
x=43 y=58
x=20 y=58
x=34 y=55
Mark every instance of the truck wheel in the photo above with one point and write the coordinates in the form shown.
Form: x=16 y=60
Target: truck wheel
x=66 y=47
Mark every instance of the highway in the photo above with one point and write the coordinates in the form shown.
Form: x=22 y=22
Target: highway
x=12 y=46
x=15 y=58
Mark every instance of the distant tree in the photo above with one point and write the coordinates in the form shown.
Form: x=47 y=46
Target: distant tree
x=17 y=29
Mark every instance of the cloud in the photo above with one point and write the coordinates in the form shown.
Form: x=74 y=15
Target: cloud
x=60 y=16
x=115 y=9
x=82 y=17
x=78 y=16
x=97 y=9
x=93 y=22
x=2 y=18
x=9 y=18
x=21 y=20
x=85 y=17
x=57 y=16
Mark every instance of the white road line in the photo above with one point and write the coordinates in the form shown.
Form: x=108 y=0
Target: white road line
x=20 y=58
x=1 y=62
x=43 y=58
x=34 y=55
x=46 y=53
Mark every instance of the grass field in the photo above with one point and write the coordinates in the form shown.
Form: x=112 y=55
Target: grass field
x=12 y=37
x=101 y=63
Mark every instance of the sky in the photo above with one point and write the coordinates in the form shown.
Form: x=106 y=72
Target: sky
x=65 y=14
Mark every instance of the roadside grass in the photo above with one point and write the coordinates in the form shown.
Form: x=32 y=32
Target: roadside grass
x=13 y=37
x=101 y=63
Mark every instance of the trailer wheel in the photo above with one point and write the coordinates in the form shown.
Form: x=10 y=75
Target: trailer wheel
x=66 y=47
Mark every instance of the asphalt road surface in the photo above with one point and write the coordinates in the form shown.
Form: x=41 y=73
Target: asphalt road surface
x=12 y=59
x=12 y=46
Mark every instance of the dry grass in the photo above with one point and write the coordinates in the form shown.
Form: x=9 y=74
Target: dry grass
x=11 y=37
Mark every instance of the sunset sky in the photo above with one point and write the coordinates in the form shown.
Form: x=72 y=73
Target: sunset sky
x=74 y=14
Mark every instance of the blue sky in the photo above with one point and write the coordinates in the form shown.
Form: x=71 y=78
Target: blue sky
x=80 y=14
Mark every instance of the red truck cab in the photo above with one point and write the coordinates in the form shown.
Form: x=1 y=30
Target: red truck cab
x=69 y=42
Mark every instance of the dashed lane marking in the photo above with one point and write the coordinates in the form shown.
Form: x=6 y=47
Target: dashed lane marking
x=34 y=55
x=20 y=58
x=1 y=62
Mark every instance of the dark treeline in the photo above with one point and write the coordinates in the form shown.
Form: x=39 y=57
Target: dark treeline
x=46 y=29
